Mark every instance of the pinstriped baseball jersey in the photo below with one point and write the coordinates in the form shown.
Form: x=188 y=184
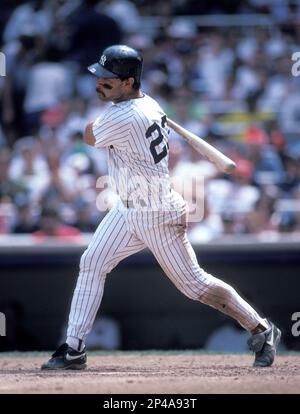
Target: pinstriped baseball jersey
x=136 y=135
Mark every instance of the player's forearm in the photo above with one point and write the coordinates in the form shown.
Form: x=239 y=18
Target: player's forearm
x=88 y=136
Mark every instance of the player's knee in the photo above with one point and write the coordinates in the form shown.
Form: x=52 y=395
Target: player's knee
x=85 y=260
x=190 y=293
x=217 y=294
x=90 y=261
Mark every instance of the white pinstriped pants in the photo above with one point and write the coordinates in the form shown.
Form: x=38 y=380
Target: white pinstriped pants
x=121 y=234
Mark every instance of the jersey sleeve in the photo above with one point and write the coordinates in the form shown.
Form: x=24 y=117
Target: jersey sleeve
x=112 y=128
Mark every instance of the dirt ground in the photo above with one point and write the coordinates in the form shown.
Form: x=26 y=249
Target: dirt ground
x=157 y=373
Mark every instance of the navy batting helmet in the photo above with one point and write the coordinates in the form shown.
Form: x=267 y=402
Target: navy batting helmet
x=118 y=61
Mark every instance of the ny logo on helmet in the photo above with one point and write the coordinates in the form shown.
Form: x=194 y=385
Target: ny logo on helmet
x=102 y=60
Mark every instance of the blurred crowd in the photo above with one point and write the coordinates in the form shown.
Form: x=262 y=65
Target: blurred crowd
x=230 y=84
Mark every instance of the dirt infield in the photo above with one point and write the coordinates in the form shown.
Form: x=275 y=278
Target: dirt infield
x=152 y=373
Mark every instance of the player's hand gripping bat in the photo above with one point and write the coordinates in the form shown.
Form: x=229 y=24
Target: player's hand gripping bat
x=223 y=163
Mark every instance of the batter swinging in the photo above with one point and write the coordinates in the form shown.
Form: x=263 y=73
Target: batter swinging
x=149 y=214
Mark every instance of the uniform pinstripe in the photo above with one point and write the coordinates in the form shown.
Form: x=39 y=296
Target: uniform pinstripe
x=136 y=137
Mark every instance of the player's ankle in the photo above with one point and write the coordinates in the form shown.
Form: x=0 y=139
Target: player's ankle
x=258 y=329
x=75 y=343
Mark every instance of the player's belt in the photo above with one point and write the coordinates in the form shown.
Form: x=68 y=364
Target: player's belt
x=127 y=203
x=132 y=204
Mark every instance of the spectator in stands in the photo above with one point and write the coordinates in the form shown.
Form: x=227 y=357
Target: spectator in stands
x=10 y=186
x=296 y=194
x=49 y=83
x=26 y=222
x=263 y=156
x=91 y=31
x=86 y=219
x=208 y=227
x=236 y=196
x=34 y=13
x=117 y=9
x=292 y=175
x=7 y=215
x=215 y=64
x=289 y=112
x=29 y=167
x=61 y=186
x=52 y=226
x=259 y=220
x=20 y=56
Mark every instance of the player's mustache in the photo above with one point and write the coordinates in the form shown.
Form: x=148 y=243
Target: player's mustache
x=105 y=86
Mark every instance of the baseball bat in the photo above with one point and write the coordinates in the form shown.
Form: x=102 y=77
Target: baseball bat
x=223 y=163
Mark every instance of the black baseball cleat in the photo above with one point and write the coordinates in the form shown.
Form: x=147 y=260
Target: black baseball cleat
x=66 y=357
x=264 y=344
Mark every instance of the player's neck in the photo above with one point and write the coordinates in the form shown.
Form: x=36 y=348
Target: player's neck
x=133 y=95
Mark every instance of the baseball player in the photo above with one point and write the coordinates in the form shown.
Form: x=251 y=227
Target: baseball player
x=149 y=214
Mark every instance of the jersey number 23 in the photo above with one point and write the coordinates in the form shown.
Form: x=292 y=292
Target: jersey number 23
x=157 y=156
